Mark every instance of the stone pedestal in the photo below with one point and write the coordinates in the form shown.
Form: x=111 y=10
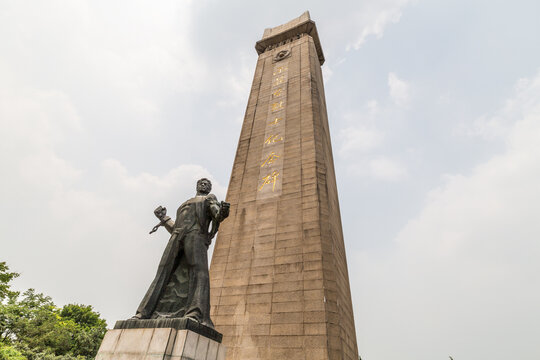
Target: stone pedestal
x=133 y=340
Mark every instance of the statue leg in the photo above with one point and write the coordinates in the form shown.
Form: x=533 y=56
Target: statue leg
x=198 y=306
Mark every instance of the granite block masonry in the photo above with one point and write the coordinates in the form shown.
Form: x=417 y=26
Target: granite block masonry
x=158 y=344
x=278 y=276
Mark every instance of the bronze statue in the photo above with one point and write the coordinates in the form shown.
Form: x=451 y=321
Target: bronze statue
x=181 y=288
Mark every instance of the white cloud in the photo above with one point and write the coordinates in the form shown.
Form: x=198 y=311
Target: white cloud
x=387 y=169
x=115 y=68
x=234 y=90
x=499 y=124
x=467 y=264
x=328 y=69
x=400 y=91
x=375 y=18
x=359 y=138
x=327 y=73
x=360 y=145
x=380 y=168
x=373 y=107
x=31 y=122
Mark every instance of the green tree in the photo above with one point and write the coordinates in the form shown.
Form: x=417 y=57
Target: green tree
x=89 y=328
x=5 y=278
x=32 y=325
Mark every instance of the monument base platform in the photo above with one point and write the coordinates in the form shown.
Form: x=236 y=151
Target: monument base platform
x=175 y=323
x=137 y=340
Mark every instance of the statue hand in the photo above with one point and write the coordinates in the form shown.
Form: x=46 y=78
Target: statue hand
x=160 y=212
x=224 y=211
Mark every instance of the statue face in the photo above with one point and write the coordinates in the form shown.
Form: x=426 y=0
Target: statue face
x=204 y=186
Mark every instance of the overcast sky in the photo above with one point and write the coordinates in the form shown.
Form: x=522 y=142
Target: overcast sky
x=110 y=108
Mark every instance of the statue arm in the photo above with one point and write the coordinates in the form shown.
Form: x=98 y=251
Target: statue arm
x=214 y=209
x=164 y=220
x=169 y=224
x=218 y=211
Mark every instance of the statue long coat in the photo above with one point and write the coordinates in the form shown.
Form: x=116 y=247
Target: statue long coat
x=181 y=287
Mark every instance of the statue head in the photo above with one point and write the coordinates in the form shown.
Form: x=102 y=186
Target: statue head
x=204 y=186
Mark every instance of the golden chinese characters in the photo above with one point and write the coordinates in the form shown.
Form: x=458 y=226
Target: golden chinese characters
x=273 y=139
x=270 y=179
x=271 y=158
x=277 y=106
x=279 y=70
x=279 y=80
x=275 y=121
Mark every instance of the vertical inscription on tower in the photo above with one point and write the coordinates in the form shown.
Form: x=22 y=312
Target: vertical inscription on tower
x=271 y=170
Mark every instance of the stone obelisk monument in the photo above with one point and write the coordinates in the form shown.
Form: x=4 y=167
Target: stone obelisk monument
x=279 y=279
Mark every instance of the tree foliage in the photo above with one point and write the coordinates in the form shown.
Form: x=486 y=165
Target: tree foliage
x=5 y=278
x=10 y=353
x=32 y=327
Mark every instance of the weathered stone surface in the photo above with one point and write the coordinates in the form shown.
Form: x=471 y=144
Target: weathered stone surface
x=158 y=344
x=299 y=25
x=279 y=278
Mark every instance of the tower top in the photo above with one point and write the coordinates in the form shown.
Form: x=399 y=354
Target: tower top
x=300 y=25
